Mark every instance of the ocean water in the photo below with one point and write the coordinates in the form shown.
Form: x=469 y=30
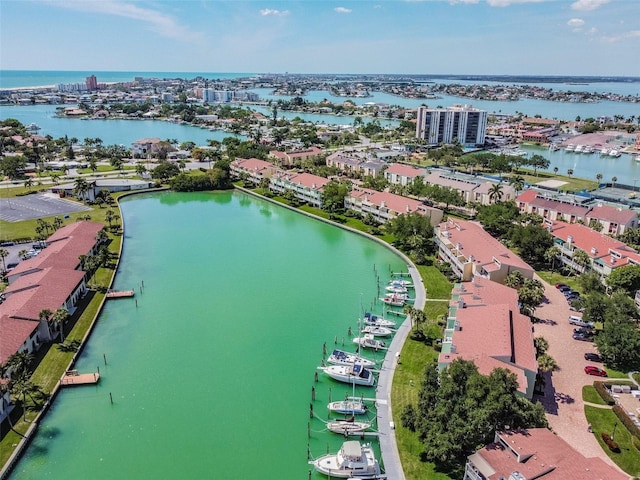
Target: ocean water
x=211 y=372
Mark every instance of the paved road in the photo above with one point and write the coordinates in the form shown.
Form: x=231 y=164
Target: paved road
x=388 y=445
x=563 y=392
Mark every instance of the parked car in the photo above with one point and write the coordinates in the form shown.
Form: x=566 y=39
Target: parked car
x=583 y=337
x=584 y=330
x=560 y=285
x=578 y=322
x=592 y=370
x=565 y=288
x=592 y=357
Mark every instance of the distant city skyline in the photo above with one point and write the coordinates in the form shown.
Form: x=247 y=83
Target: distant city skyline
x=482 y=37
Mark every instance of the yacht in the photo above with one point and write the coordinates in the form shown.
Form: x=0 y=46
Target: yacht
x=570 y=147
x=353 y=460
x=614 y=153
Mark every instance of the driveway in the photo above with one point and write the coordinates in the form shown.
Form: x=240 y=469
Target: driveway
x=563 y=391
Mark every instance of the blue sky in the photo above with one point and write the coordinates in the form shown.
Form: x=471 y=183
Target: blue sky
x=537 y=37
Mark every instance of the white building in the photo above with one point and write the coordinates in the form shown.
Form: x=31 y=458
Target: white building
x=465 y=124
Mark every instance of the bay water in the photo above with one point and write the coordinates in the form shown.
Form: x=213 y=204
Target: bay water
x=211 y=365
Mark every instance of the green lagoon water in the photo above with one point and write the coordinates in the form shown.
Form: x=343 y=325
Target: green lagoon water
x=211 y=374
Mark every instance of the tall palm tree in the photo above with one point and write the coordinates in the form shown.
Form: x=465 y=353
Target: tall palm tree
x=80 y=188
x=517 y=182
x=598 y=177
x=20 y=364
x=570 y=172
x=581 y=260
x=59 y=318
x=4 y=253
x=551 y=255
x=614 y=180
x=495 y=193
x=555 y=170
x=46 y=315
x=23 y=254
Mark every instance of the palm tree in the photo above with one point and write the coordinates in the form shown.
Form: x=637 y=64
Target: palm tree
x=514 y=280
x=28 y=183
x=517 y=182
x=57 y=223
x=46 y=315
x=495 y=193
x=551 y=255
x=570 y=172
x=4 y=253
x=109 y=217
x=581 y=260
x=24 y=387
x=59 y=318
x=555 y=170
x=598 y=177
x=20 y=364
x=23 y=254
x=614 y=180
x=141 y=169
x=546 y=363
x=80 y=188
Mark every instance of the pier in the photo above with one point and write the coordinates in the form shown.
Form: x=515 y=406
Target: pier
x=73 y=378
x=120 y=293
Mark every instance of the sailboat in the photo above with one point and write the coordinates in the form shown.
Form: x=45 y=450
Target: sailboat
x=348 y=407
x=348 y=426
x=340 y=357
x=376 y=321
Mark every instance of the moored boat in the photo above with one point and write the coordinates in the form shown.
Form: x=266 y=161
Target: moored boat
x=369 y=341
x=348 y=426
x=376 y=321
x=353 y=460
x=348 y=407
x=340 y=357
x=614 y=153
x=352 y=374
x=394 y=301
x=570 y=147
x=377 y=331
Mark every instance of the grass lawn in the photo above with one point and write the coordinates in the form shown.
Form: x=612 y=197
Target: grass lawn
x=554 y=277
x=611 y=373
x=590 y=394
x=636 y=377
x=603 y=420
x=408 y=378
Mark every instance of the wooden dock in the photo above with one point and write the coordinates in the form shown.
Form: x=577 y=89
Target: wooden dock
x=120 y=293
x=73 y=378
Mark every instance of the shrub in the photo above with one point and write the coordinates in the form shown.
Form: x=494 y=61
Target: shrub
x=626 y=421
x=613 y=445
x=604 y=393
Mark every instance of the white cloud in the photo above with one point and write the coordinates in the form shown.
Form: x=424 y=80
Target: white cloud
x=575 y=23
x=342 y=10
x=163 y=24
x=623 y=36
x=588 y=4
x=506 y=3
x=277 y=13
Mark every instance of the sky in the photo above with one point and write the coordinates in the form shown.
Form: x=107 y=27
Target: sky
x=482 y=37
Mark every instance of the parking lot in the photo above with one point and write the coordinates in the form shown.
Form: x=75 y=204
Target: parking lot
x=563 y=391
x=36 y=206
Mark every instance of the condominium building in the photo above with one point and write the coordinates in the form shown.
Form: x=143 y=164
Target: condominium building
x=254 y=169
x=92 y=83
x=463 y=124
x=535 y=453
x=470 y=251
x=307 y=187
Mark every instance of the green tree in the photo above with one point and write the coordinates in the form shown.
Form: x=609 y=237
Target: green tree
x=46 y=315
x=514 y=280
x=164 y=171
x=626 y=278
x=551 y=255
x=333 y=195
x=590 y=282
x=80 y=188
x=499 y=218
x=517 y=182
x=533 y=241
x=412 y=232
x=619 y=344
x=4 y=253
x=59 y=318
x=12 y=166
x=581 y=260
x=530 y=296
x=495 y=193
x=546 y=363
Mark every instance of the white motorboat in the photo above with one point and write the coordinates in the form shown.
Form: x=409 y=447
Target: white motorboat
x=554 y=147
x=588 y=149
x=340 y=357
x=377 y=331
x=400 y=281
x=614 y=153
x=353 y=460
x=348 y=426
x=393 y=301
x=376 y=321
x=394 y=288
x=369 y=341
x=570 y=147
x=348 y=407
x=353 y=374
x=579 y=149
x=604 y=151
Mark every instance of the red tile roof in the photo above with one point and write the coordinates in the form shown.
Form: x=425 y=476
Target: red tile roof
x=476 y=242
x=621 y=216
x=527 y=196
x=539 y=453
x=395 y=203
x=14 y=334
x=405 y=170
x=253 y=164
x=308 y=180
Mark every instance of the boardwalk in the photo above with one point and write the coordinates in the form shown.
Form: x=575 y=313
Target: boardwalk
x=120 y=294
x=73 y=378
x=388 y=446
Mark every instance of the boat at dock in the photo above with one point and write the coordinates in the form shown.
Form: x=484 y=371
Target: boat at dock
x=348 y=407
x=348 y=426
x=401 y=282
x=353 y=374
x=394 y=301
x=353 y=460
x=570 y=148
x=369 y=341
x=73 y=378
x=375 y=321
x=377 y=331
x=614 y=153
x=340 y=357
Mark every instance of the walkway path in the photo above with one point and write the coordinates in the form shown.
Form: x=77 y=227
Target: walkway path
x=388 y=445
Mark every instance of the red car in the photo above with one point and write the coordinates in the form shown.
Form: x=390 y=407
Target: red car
x=591 y=370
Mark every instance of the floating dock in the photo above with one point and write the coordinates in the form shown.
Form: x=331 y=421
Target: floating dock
x=72 y=378
x=120 y=293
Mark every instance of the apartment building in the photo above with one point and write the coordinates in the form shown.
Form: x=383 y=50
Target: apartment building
x=460 y=123
x=471 y=251
x=254 y=169
x=307 y=187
